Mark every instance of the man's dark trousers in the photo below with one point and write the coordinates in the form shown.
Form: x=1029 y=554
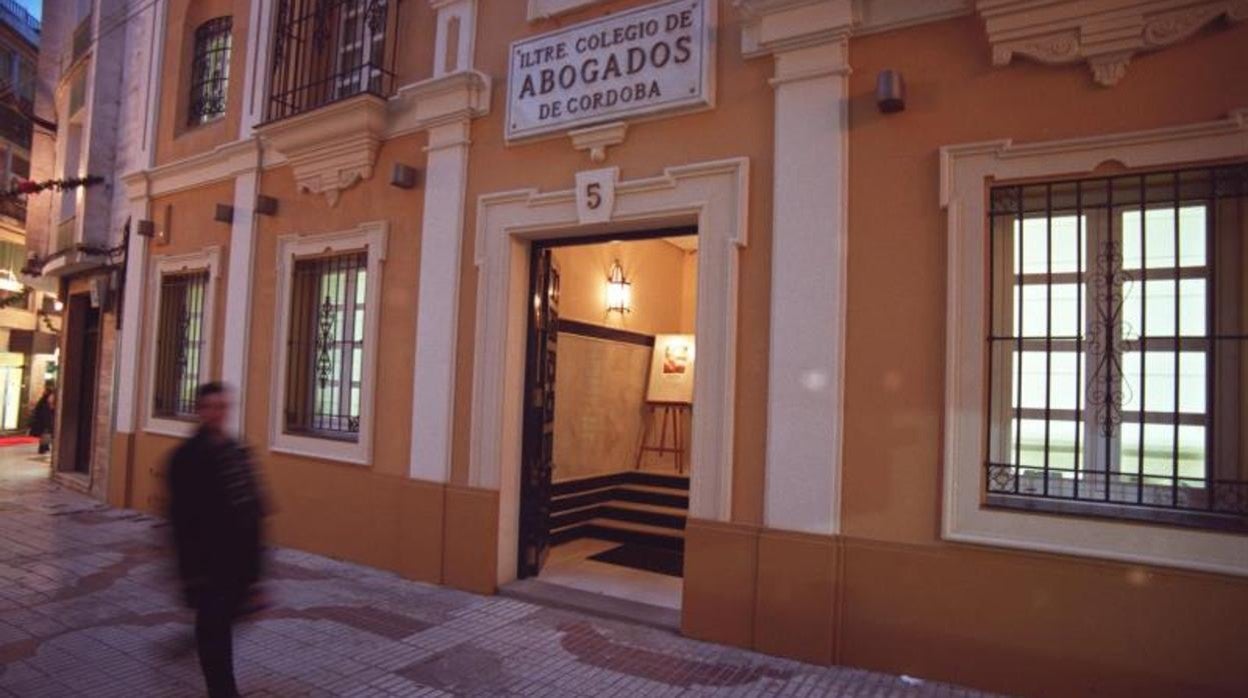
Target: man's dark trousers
x=215 y=612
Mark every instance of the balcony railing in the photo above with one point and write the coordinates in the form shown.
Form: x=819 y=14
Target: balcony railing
x=329 y=50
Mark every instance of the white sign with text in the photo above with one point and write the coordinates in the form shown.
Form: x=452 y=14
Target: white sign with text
x=655 y=58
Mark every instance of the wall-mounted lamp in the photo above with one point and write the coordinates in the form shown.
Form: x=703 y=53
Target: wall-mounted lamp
x=619 y=290
x=403 y=176
x=266 y=205
x=890 y=91
x=146 y=228
x=224 y=214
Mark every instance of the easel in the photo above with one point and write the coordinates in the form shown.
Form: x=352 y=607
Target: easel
x=675 y=412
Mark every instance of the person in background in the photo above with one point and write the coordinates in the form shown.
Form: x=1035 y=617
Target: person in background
x=216 y=511
x=43 y=418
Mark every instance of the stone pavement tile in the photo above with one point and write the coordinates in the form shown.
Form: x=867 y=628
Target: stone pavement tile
x=88 y=606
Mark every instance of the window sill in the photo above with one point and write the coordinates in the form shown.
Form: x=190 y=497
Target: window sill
x=1119 y=512
x=175 y=428
x=351 y=453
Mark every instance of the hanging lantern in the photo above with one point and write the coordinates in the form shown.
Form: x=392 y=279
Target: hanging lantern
x=619 y=290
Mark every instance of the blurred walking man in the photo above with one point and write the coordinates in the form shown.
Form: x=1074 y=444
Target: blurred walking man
x=216 y=510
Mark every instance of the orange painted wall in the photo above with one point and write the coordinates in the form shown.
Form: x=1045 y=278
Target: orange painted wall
x=191 y=228
x=744 y=110
x=889 y=594
x=897 y=242
x=175 y=140
x=326 y=506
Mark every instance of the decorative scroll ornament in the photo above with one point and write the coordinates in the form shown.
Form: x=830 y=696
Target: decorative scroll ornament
x=325 y=342
x=1102 y=33
x=1108 y=337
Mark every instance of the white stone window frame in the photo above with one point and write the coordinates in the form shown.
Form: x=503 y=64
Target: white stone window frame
x=545 y=9
x=207 y=259
x=966 y=173
x=371 y=239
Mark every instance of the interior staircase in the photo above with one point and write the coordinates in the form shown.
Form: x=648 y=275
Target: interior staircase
x=626 y=507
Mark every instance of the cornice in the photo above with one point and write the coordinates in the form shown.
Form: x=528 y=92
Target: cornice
x=335 y=147
x=1093 y=148
x=419 y=106
x=1105 y=34
x=775 y=26
x=545 y=9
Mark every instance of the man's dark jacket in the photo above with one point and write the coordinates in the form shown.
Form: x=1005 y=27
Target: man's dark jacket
x=215 y=507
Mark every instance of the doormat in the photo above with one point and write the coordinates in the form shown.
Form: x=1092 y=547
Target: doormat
x=644 y=557
x=18 y=440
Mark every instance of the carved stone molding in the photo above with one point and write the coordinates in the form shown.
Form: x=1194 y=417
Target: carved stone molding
x=596 y=139
x=775 y=26
x=545 y=9
x=333 y=148
x=1104 y=33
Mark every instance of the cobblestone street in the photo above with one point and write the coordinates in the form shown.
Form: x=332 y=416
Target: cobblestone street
x=86 y=608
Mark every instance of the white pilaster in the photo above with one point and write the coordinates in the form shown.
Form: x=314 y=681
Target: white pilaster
x=437 y=315
x=455 y=40
x=239 y=273
x=138 y=189
x=127 y=385
x=255 y=78
x=806 y=357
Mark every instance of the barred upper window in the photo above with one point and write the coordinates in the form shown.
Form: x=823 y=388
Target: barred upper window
x=325 y=362
x=179 y=344
x=210 y=70
x=327 y=50
x=1118 y=361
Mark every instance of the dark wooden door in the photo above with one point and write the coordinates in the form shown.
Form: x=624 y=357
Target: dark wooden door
x=76 y=402
x=539 y=414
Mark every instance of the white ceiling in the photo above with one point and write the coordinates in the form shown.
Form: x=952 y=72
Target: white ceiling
x=685 y=242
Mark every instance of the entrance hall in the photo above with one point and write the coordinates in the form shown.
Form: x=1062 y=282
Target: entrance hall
x=605 y=488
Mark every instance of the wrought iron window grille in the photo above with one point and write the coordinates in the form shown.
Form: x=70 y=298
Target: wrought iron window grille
x=324 y=370
x=210 y=70
x=1118 y=348
x=179 y=344
x=325 y=51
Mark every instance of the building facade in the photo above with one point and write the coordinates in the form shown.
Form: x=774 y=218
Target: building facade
x=29 y=318
x=91 y=108
x=967 y=399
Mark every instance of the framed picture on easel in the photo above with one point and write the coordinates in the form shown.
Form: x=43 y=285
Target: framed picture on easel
x=671 y=370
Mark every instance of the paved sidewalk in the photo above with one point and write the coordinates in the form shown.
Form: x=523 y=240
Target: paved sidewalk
x=86 y=608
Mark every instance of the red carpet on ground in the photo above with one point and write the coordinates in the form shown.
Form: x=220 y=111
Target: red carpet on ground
x=17 y=440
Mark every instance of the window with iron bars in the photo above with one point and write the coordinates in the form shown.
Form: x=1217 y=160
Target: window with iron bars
x=1118 y=362
x=325 y=367
x=210 y=70
x=179 y=344
x=329 y=50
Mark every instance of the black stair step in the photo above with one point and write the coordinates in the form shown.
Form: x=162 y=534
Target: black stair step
x=641 y=477
x=619 y=513
x=585 y=484
x=623 y=493
x=575 y=516
x=660 y=499
x=579 y=501
x=652 y=518
x=628 y=477
x=616 y=535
